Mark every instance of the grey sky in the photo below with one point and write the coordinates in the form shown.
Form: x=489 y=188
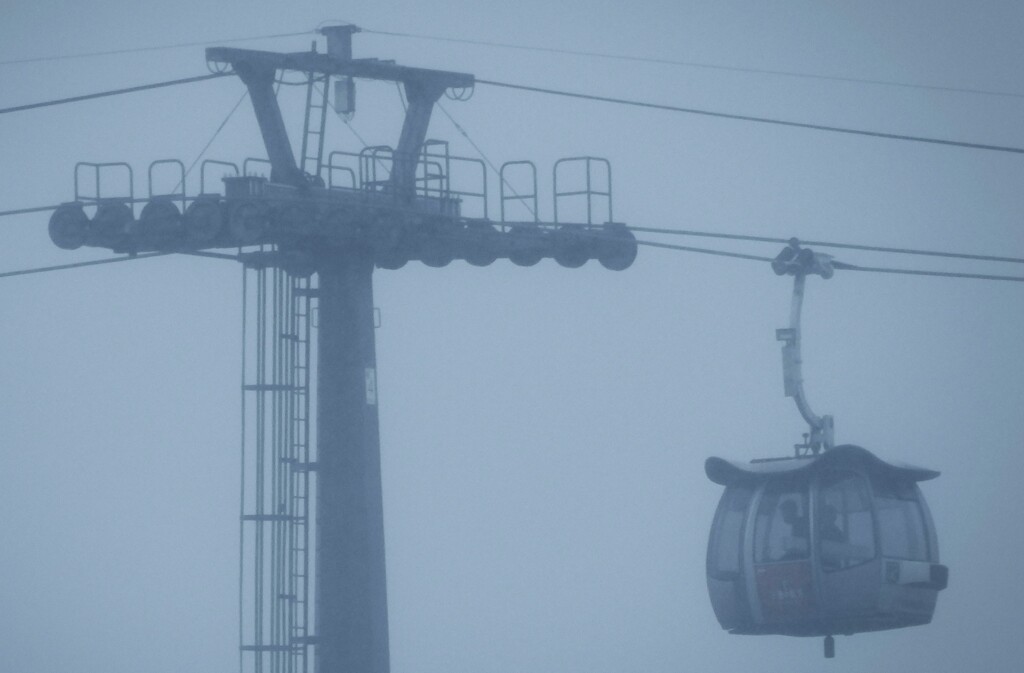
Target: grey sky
x=543 y=430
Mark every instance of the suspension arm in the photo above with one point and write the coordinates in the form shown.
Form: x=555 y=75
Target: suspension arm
x=799 y=263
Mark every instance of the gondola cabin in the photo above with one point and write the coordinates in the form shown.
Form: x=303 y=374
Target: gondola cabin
x=837 y=543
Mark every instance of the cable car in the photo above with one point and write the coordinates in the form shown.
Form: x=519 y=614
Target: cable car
x=837 y=543
x=831 y=541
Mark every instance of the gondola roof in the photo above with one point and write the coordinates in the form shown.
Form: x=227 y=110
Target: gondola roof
x=727 y=472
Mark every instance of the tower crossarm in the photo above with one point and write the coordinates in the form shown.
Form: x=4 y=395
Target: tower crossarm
x=363 y=68
x=258 y=69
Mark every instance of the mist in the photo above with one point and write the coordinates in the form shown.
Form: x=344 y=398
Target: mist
x=543 y=430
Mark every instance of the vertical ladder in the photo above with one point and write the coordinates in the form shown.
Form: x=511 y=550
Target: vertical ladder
x=301 y=325
x=274 y=606
x=316 y=120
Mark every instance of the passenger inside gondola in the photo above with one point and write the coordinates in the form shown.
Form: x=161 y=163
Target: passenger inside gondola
x=828 y=528
x=796 y=544
x=837 y=543
x=791 y=515
x=845 y=527
x=832 y=539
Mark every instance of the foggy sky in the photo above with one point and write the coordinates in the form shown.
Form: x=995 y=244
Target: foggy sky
x=543 y=430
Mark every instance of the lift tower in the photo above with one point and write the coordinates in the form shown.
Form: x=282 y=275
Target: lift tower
x=306 y=225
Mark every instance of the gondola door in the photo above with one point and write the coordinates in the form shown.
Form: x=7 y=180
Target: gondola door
x=782 y=577
x=845 y=545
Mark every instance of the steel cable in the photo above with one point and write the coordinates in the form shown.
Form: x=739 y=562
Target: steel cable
x=760 y=120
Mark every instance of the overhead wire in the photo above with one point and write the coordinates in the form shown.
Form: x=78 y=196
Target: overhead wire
x=583 y=96
x=751 y=118
x=75 y=265
x=699 y=64
x=161 y=47
x=838 y=265
x=540 y=49
x=114 y=92
x=127 y=258
x=25 y=211
x=920 y=272
x=39 y=209
x=208 y=255
x=637 y=229
x=734 y=237
x=655 y=244
x=703 y=251
x=830 y=244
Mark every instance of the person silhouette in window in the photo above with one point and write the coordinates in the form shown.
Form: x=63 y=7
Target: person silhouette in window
x=828 y=526
x=799 y=530
x=831 y=538
x=791 y=515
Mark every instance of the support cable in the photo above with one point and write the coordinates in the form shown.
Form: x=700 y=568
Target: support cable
x=348 y=123
x=479 y=151
x=75 y=265
x=135 y=50
x=702 y=234
x=126 y=258
x=917 y=272
x=401 y=97
x=838 y=265
x=40 y=209
x=654 y=244
x=827 y=244
x=700 y=64
x=216 y=133
x=206 y=254
x=760 y=120
x=703 y=251
x=550 y=50
x=25 y=211
x=114 y=92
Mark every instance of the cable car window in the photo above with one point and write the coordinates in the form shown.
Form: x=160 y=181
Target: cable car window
x=727 y=532
x=781 y=527
x=900 y=520
x=845 y=529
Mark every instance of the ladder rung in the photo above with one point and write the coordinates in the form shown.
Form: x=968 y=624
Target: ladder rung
x=270 y=387
x=262 y=518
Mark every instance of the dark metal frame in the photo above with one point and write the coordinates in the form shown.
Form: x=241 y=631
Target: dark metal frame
x=588 y=191
x=515 y=196
x=98 y=170
x=179 y=194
